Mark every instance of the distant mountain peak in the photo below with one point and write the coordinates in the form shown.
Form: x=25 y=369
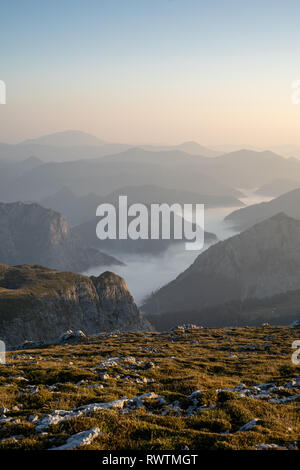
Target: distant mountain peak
x=32 y=159
x=65 y=191
x=281 y=217
x=193 y=148
x=68 y=138
x=190 y=142
x=246 y=153
x=30 y=162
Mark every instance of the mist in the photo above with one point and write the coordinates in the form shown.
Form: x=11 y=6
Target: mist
x=145 y=274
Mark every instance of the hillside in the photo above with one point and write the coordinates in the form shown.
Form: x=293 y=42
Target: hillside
x=278 y=187
x=289 y=203
x=251 y=169
x=261 y=262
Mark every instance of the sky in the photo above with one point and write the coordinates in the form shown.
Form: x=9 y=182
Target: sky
x=151 y=71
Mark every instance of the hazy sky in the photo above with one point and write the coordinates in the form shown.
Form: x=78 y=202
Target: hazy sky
x=156 y=71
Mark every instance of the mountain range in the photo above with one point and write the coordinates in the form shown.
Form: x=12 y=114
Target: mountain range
x=251 y=169
x=102 y=176
x=94 y=147
x=80 y=209
x=173 y=168
x=94 y=166
x=87 y=232
x=73 y=145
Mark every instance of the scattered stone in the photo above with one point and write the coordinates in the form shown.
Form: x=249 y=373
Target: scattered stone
x=33 y=418
x=71 y=337
x=83 y=438
x=285 y=400
x=32 y=388
x=95 y=386
x=81 y=382
x=58 y=416
x=148 y=365
x=3 y=410
x=30 y=345
x=249 y=426
x=19 y=378
x=5 y=420
x=104 y=376
x=13 y=438
x=270 y=447
x=173 y=407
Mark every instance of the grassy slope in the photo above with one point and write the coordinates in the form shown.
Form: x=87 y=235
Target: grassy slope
x=28 y=282
x=206 y=359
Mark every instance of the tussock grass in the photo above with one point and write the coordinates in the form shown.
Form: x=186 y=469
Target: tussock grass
x=204 y=359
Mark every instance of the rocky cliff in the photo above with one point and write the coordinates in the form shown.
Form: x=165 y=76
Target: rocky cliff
x=38 y=304
x=31 y=234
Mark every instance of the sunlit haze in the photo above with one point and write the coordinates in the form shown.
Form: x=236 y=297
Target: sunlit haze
x=152 y=71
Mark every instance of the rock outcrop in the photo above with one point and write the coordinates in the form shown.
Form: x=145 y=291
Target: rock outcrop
x=38 y=304
x=31 y=234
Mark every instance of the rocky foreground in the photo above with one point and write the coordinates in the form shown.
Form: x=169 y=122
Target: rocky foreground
x=190 y=388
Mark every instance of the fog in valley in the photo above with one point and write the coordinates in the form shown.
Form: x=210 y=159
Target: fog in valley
x=145 y=274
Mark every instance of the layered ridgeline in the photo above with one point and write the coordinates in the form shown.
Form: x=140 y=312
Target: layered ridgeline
x=172 y=169
x=31 y=234
x=39 y=304
x=74 y=144
x=87 y=232
x=288 y=203
x=86 y=164
x=79 y=209
x=277 y=187
x=229 y=278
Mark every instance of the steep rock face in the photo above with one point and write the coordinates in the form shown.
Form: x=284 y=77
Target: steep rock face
x=38 y=304
x=31 y=234
x=116 y=300
x=258 y=263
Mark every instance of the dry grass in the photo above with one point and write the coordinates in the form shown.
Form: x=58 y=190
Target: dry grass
x=206 y=359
